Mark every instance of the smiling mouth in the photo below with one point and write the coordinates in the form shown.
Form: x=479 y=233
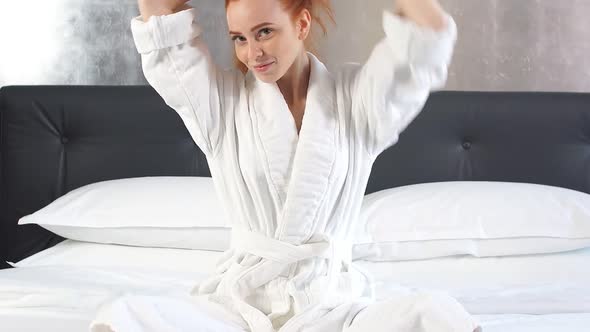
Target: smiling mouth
x=263 y=66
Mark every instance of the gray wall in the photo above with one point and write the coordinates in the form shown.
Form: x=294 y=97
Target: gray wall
x=508 y=45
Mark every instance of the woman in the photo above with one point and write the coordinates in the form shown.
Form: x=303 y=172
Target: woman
x=290 y=147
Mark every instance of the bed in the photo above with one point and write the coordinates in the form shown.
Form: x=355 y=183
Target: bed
x=55 y=139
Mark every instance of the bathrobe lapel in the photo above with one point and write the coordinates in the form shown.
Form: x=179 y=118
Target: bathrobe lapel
x=300 y=167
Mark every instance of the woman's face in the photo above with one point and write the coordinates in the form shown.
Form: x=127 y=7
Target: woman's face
x=266 y=38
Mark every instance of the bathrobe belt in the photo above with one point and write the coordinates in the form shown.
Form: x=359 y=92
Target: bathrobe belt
x=336 y=251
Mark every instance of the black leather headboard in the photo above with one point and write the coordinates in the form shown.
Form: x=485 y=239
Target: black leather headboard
x=57 y=138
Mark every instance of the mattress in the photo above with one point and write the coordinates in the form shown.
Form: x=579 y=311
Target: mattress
x=541 y=293
x=66 y=298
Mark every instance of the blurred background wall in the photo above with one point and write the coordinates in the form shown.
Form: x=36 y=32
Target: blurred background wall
x=506 y=45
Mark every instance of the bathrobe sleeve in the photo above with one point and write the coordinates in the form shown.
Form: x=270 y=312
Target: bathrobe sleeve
x=177 y=64
x=394 y=83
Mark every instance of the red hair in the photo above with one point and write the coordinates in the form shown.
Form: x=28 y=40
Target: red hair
x=294 y=7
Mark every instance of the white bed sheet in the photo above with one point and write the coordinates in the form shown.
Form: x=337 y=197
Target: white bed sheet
x=535 y=284
x=43 y=320
x=49 y=320
x=65 y=298
x=535 y=323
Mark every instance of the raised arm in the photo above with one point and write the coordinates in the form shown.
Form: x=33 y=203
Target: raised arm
x=409 y=62
x=149 y=8
x=425 y=13
x=177 y=64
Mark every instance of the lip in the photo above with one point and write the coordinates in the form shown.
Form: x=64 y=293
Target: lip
x=264 y=67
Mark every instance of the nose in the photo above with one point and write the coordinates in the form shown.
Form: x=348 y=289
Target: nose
x=254 y=50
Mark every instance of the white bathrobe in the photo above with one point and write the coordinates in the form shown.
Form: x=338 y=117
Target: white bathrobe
x=293 y=199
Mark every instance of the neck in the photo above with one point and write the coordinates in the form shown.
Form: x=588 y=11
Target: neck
x=293 y=84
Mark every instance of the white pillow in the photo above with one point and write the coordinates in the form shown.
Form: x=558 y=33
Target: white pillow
x=479 y=218
x=159 y=211
x=404 y=223
x=87 y=254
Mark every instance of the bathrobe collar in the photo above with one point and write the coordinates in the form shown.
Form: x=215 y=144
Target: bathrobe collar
x=299 y=167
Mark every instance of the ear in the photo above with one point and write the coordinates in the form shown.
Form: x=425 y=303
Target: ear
x=303 y=24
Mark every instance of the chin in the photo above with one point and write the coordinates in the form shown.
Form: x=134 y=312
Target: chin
x=270 y=78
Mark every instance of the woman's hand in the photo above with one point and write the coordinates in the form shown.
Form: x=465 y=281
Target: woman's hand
x=427 y=13
x=148 y=8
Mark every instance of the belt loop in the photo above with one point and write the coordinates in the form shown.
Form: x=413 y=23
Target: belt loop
x=341 y=253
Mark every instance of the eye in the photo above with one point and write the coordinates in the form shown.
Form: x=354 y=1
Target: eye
x=238 y=39
x=265 y=32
